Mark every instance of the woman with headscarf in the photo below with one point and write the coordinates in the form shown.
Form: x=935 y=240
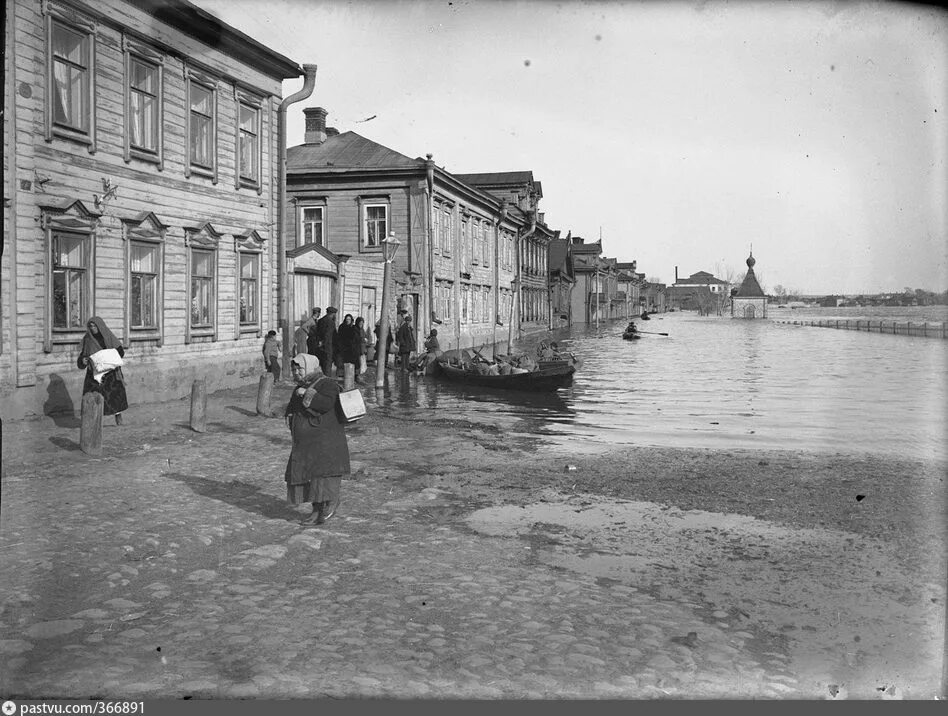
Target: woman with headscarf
x=112 y=384
x=320 y=455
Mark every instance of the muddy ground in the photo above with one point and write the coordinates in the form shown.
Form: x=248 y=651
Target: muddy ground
x=463 y=562
x=839 y=559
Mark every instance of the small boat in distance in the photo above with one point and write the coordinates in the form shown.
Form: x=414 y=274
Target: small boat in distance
x=631 y=336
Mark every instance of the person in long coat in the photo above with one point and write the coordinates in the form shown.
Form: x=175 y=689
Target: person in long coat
x=325 y=333
x=98 y=337
x=301 y=336
x=348 y=342
x=405 y=337
x=320 y=454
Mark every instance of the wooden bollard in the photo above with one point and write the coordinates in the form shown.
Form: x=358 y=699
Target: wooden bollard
x=349 y=372
x=90 y=430
x=199 y=406
x=264 y=391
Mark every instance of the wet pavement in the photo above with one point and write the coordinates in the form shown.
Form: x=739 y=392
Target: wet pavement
x=172 y=566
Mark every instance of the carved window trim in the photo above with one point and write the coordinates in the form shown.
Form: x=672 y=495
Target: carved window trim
x=147 y=229
x=72 y=219
x=250 y=243
x=202 y=238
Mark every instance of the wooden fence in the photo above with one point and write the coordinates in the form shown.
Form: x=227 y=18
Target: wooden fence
x=906 y=328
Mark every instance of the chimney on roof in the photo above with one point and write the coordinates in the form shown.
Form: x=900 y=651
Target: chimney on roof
x=676 y=274
x=315 y=132
x=540 y=215
x=578 y=240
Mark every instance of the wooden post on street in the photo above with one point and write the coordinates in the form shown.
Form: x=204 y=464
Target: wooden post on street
x=348 y=381
x=199 y=406
x=264 y=391
x=90 y=431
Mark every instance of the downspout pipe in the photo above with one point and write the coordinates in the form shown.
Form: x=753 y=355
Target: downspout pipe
x=429 y=191
x=309 y=83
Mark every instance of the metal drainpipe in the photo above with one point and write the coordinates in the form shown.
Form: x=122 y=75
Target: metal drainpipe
x=309 y=82
x=523 y=237
x=429 y=183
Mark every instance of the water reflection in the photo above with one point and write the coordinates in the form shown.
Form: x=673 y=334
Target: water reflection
x=717 y=382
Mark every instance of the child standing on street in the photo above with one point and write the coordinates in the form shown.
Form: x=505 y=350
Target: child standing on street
x=272 y=352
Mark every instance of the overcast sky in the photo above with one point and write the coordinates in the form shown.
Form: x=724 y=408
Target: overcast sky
x=685 y=132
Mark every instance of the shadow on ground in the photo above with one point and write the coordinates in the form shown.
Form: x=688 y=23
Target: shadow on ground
x=239 y=494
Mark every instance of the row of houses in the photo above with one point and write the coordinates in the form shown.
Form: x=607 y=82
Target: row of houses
x=147 y=181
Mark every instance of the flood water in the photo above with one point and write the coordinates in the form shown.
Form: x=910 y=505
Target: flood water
x=718 y=382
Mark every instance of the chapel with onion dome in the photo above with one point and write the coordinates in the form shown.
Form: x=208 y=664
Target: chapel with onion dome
x=749 y=301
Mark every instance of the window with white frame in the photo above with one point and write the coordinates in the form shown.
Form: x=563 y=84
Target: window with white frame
x=485 y=243
x=375 y=222
x=203 y=264
x=311 y=225
x=144 y=90
x=465 y=299
x=249 y=266
x=144 y=287
x=71 y=79
x=71 y=259
x=248 y=143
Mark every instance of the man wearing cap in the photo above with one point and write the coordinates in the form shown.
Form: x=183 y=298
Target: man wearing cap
x=325 y=330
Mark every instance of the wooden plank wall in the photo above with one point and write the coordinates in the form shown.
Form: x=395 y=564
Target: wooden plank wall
x=62 y=171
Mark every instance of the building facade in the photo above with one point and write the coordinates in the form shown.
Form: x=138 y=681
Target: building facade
x=458 y=245
x=140 y=175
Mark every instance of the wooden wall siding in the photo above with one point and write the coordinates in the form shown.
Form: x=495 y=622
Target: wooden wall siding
x=360 y=273
x=62 y=171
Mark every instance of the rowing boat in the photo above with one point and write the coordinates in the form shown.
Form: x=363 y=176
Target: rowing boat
x=548 y=376
x=630 y=336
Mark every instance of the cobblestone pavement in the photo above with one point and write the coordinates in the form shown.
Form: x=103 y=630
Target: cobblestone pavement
x=172 y=566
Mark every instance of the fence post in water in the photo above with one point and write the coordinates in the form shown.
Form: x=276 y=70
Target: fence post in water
x=90 y=429
x=264 y=391
x=199 y=406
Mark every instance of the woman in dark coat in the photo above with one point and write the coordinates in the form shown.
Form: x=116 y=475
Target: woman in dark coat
x=348 y=342
x=98 y=337
x=320 y=455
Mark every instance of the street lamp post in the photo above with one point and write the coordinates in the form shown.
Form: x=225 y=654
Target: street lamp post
x=389 y=247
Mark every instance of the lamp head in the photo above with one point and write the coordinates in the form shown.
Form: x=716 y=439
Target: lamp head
x=390 y=246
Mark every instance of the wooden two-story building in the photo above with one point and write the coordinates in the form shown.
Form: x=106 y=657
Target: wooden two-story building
x=140 y=185
x=458 y=243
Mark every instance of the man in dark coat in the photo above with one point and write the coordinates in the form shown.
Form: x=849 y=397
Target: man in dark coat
x=405 y=337
x=325 y=332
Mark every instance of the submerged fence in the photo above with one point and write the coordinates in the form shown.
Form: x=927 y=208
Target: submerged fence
x=905 y=328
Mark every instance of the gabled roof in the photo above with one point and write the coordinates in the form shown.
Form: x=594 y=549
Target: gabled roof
x=750 y=288
x=345 y=151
